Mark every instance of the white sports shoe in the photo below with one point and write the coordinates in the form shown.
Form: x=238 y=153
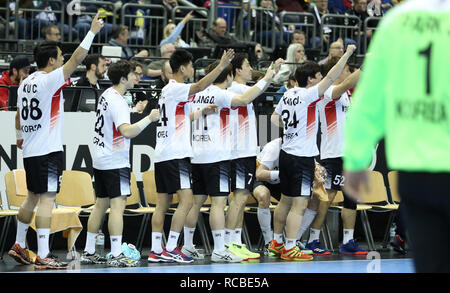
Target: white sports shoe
x=192 y=252
x=225 y=256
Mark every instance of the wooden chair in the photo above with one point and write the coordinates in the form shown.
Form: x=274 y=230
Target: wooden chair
x=17 y=191
x=76 y=192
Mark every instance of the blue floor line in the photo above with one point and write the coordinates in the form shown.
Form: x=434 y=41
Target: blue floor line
x=344 y=266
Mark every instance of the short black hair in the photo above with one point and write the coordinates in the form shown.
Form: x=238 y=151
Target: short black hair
x=305 y=70
x=93 y=59
x=223 y=75
x=117 y=30
x=44 y=51
x=237 y=61
x=120 y=69
x=180 y=57
x=19 y=62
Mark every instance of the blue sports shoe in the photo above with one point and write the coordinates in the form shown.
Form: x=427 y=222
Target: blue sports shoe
x=317 y=248
x=352 y=248
x=176 y=255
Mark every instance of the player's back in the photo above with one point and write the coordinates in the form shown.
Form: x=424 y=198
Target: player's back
x=40 y=104
x=298 y=111
x=211 y=135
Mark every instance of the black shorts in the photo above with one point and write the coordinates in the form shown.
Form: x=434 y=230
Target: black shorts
x=335 y=180
x=274 y=189
x=296 y=175
x=211 y=179
x=43 y=173
x=112 y=183
x=173 y=175
x=243 y=173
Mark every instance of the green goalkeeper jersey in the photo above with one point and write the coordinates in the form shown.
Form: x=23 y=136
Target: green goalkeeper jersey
x=404 y=92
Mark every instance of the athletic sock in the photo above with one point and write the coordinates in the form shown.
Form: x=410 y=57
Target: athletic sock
x=43 y=239
x=348 y=235
x=264 y=219
x=21 y=234
x=278 y=237
x=219 y=240
x=172 y=241
x=228 y=234
x=314 y=234
x=90 y=242
x=156 y=242
x=307 y=219
x=188 y=234
x=290 y=243
x=116 y=245
x=237 y=236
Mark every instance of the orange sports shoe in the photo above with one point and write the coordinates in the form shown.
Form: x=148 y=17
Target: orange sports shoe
x=276 y=247
x=295 y=254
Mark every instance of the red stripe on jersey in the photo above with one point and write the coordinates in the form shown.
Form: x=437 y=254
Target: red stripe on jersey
x=224 y=120
x=311 y=116
x=330 y=116
x=180 y=116
x=243 y=117
x=117 y=138
x=116 y=132
x=55 y=110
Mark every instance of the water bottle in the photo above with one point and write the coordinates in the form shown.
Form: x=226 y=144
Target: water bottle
x=100 y=241
x=392 y=230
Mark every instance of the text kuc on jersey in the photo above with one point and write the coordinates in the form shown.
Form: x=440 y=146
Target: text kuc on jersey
x=292 y=101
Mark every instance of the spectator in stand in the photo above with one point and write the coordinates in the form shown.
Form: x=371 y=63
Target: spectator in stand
x=264 y=21
x=378 y=7
x=19 y=69
x=299 y=37
x=294 y=56
x=95 y=70
x=154 y=68
x=292 y=82
x=260 y=55
x=51 y=33
x=340 y=6
x=359 y=9
x=218 y=35
x=336 y=50
x=318 y=10
x=291 y=6
x=120 y=37
x=172 y=33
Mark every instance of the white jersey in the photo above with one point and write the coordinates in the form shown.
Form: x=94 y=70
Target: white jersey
x=298 y=112
x=111 y=149
x=211 y=136
x=332 y=117
x=40 y=103
x=269 y=157
x=243 y=120
x=173 y=133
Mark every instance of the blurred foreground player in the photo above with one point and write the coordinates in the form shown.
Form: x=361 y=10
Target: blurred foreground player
x=404 y=96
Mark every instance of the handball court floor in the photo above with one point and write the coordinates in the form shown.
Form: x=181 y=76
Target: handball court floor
x=385 y=261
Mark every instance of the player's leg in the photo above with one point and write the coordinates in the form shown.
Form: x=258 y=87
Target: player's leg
x=163 y=203
x=262 y=195
x=189 y=228
x=348 y=215
x=314 y=231
x=235 y=209
x=279 y=222
x=18 y=250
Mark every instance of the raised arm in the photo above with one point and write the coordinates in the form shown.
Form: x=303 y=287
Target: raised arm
x=348 y=83
x=336 y=71
x=80 y=53
x=253 y=92
x=208 y=79
x=19 y=137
